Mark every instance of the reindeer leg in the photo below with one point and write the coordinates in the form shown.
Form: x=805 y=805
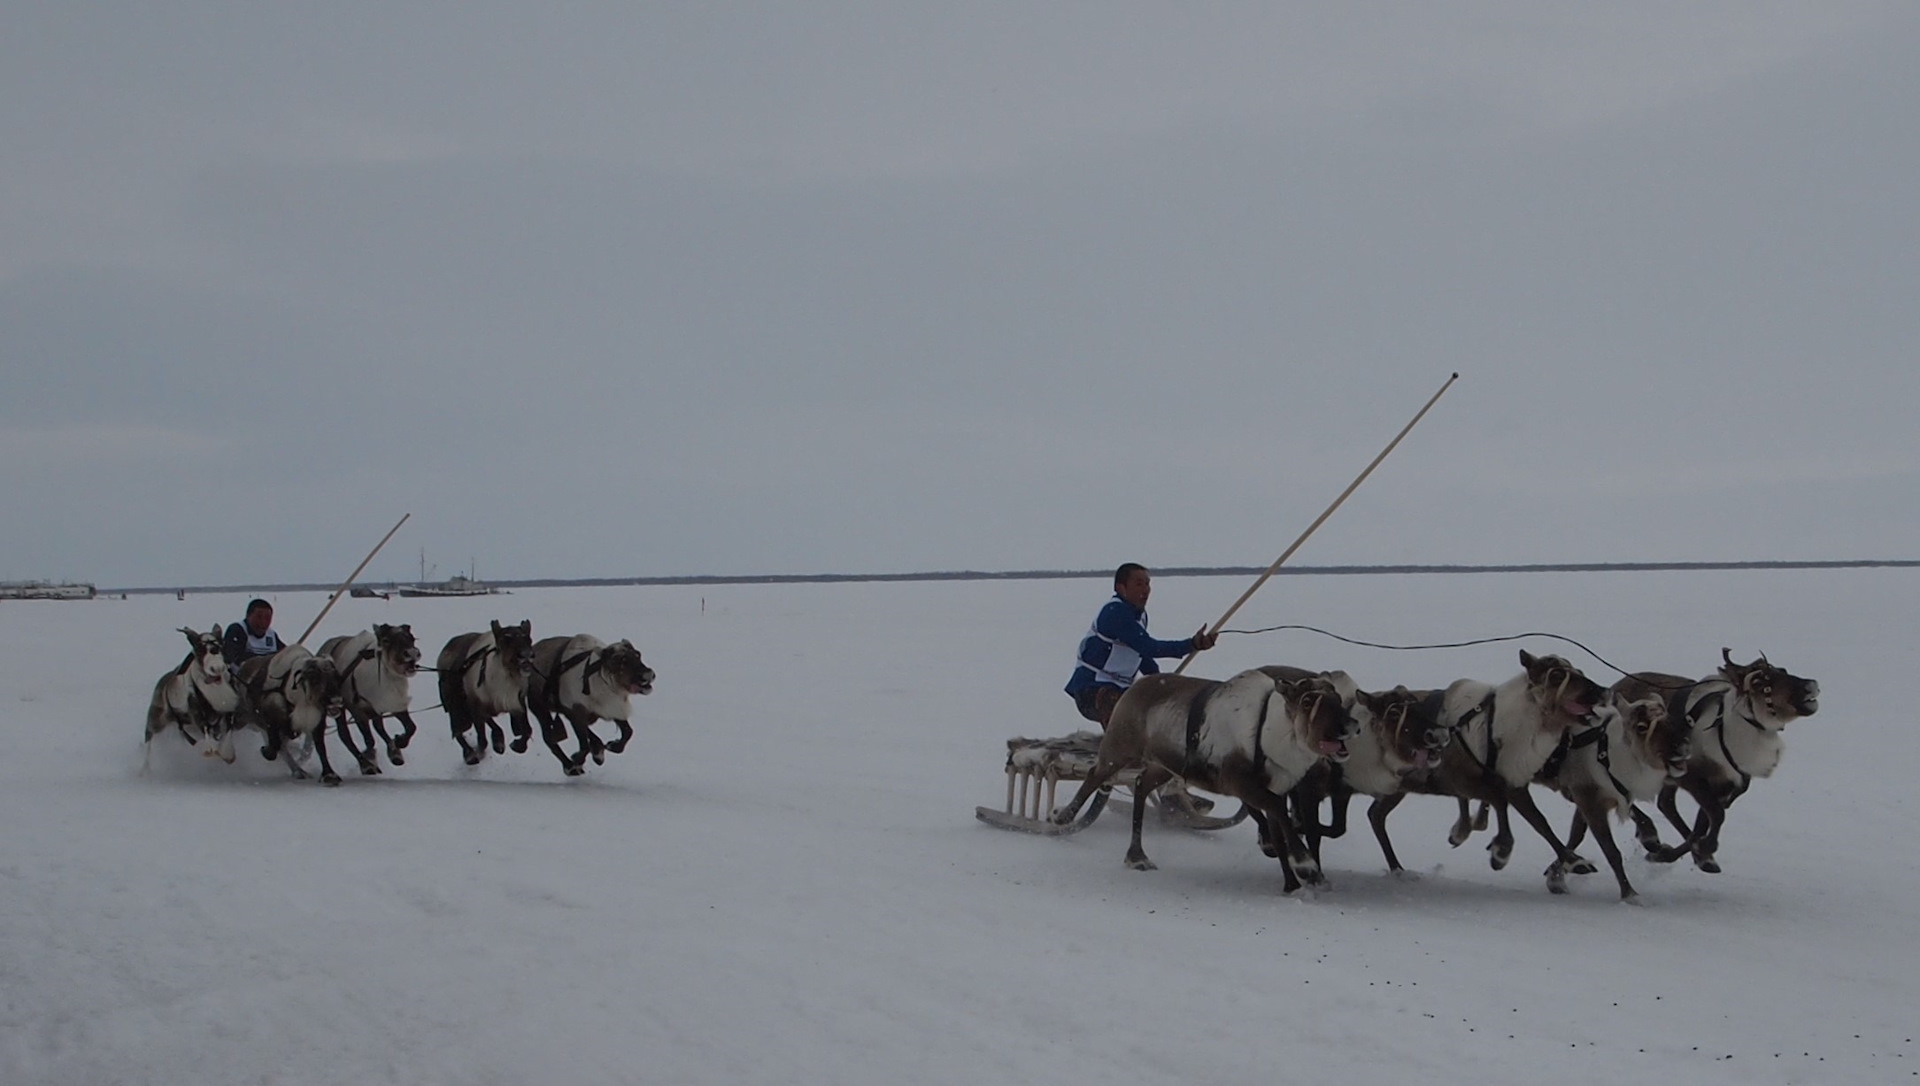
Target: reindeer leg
x=327 y=776
x=1521 y=800
x=379 y=723
x=1297 y=865
x=552 y=731
x=1645 y=831
x=344 y=728
x=1669 y=804
x=1377 y=813
x=1267 y=845
x=589 y=743
x=499 y=737
x=1103 y=771
x=1603 y=833
x=406 y=733
x=1463 y=825
x=1152 y=776
x=620 y=744
x=1576 y=833
x=1500 y=849
x=457 y=720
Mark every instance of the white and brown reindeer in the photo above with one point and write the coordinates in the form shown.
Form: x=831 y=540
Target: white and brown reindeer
x=198 y=697
x=1738 y=715
x=584 y=681
x=1402 y=737
x=1503 y=735
x=482 y=675
x=1251 y=737
x=376 y=668
x=290 y=696
x=1638 y=749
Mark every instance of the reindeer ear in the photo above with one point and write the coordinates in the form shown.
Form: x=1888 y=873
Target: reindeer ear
x=1528 y=660
x=1726 y=655
x=495 y=623
x=526 y=626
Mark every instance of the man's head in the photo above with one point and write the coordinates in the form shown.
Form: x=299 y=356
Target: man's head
x=259 y=617
x=1132 y=583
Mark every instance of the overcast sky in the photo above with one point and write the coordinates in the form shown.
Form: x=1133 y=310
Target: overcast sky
x=614 y=289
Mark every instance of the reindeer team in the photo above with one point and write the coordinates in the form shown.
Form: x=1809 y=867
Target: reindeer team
x=360 y=681
x=1284 y=741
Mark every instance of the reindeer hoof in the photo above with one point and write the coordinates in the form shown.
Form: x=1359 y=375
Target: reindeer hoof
x=1141 y=863
x=1557 y=883
x=500 y=745
x=616 y=746
x=1498 y=854
x=599 y=756
x=1581 y=866
x=1631 y=897
x=369 y=769
x=519 y=744
x=394 y=756
x=1458 y=835
x=573 y=770
x=1707 y=863
x=471 y=757
x=331 y=780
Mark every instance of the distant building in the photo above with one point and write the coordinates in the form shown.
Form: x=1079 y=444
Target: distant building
x=44 y=590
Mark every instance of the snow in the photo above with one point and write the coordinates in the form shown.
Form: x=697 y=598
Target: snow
x=782 y=881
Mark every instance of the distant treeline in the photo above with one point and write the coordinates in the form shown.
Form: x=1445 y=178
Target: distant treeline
x=1069 y=574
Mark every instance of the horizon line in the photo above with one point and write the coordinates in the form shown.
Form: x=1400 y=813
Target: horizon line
x=1068 y=574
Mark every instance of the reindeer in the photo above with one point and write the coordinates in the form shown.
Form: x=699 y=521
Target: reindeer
x=481 y=676
x=1401 y=738
x=584 y=680
x=290 y=695
x=1503 y=736
x=376 y=672
x=1738 y=715
x=1251 y=737
x=1637 y=751
x=199 y=694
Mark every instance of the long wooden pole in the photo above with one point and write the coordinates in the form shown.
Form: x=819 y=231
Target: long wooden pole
x=1322 y=518
x=342 y=590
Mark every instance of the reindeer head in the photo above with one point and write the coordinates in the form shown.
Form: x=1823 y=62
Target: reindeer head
x=397 y=648
x=1559 y=688
x=318 y=679
x=515 y=645
x=621 y=664
x=1659 y=738
x=1408 y=727
x=206 y=666
x=1777 y=696
x=1319 y=715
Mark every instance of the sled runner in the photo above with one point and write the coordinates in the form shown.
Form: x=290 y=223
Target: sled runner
x=1035 y=768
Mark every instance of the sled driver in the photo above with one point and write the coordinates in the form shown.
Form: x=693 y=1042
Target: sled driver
x=1117 y=648
x=254 y=637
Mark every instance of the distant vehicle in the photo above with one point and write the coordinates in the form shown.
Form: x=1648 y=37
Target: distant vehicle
x=362 y=593
x=456 y=585
x=44 y=590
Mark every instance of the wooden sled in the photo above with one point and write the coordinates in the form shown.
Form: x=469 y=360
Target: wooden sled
x=1035 y=768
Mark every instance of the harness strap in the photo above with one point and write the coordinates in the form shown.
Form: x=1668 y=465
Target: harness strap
x=1485 y=708
x=1260 y=734
x=1196 y=711
x=553 y=680
x=478 y=656
x=358 y=658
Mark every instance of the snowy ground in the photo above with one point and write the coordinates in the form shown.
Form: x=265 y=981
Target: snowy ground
x=782 y=881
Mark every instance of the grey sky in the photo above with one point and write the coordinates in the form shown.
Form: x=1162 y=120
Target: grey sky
x=664 y=289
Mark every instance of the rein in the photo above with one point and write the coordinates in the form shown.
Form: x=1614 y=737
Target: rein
x=1604 y=662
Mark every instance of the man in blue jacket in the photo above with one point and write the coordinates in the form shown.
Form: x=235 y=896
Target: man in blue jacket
x=1118 y=648
x=254 y=637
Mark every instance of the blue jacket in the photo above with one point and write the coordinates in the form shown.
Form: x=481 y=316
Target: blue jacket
x=1118 y=647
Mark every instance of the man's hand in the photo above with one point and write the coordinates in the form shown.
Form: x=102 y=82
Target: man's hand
x=1203 y=640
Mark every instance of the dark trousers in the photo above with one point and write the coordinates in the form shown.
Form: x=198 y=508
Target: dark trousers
x=1096 y=703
